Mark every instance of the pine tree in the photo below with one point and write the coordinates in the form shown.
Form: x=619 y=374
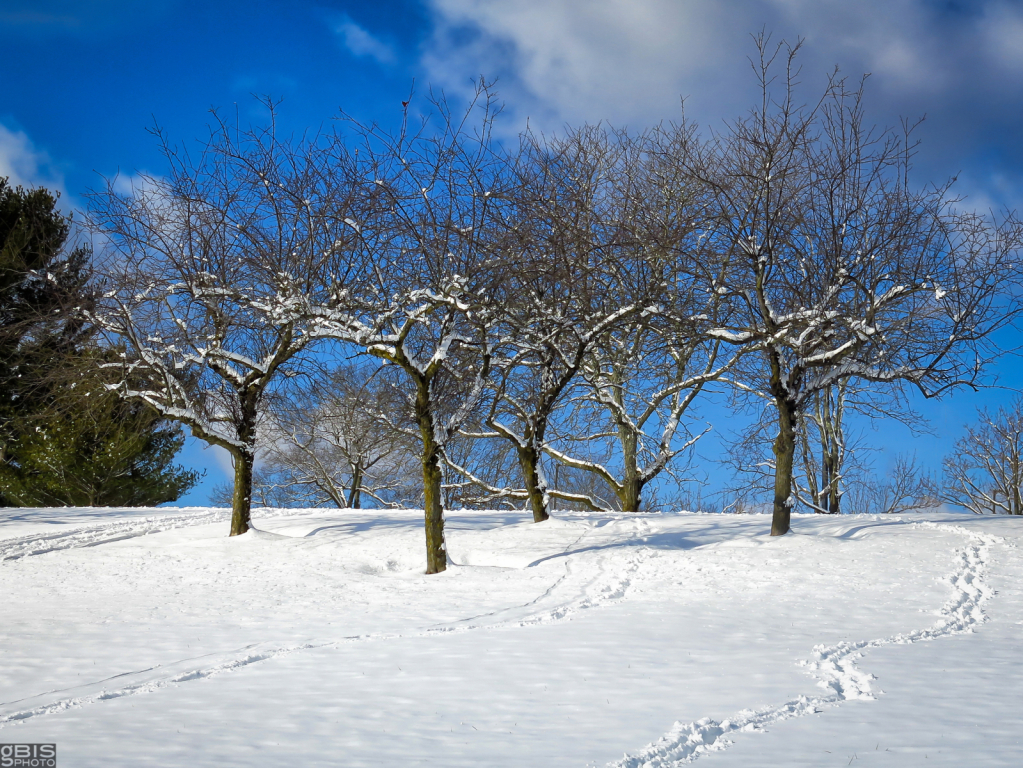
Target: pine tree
x=89 y=447
x=65 y=439
x=38 y=283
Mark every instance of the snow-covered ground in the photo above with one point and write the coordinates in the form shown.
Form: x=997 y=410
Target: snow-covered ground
x=148 y=637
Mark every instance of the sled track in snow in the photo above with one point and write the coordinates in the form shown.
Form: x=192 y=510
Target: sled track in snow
x=145 y=681
x=833 y=666
x=611 y=584
x=107 y=533
x=94 y=535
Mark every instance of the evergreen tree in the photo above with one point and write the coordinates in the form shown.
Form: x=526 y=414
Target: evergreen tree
x=64 y=438
x=38 y=284
x=86 y=446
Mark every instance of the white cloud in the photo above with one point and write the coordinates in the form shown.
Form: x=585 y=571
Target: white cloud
x=361 y=43
x=26 y=165
x=222 y=460
x=631 y=60
x=990 y=193
x=623 y=60
x=134 y=185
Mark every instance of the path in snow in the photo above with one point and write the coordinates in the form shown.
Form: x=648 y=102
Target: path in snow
x=834 y=667
x=158 y=521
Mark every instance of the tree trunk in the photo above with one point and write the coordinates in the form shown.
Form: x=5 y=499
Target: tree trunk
x=815 y=492
x=827 y=481
x=529 y=462
x=241 y=501
x=835 y=496
x=1014 y=498
x=830 y=414
x=244 y=458
x=631 y=494
x=355 y=494
x=784 y=452
x=436 y=555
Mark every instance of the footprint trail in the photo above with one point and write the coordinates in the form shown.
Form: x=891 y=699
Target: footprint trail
x=833 y=666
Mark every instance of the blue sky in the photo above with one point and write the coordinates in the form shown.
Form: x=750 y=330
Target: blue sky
x=80 y=82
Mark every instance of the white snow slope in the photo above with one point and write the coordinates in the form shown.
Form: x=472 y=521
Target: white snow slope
x=148 y=637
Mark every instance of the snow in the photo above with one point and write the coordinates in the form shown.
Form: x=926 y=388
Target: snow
x=150 y=637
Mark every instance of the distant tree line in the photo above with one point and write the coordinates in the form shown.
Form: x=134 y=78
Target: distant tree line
x=429 y=314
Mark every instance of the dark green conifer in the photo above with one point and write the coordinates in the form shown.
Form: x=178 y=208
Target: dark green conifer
x=65 y=439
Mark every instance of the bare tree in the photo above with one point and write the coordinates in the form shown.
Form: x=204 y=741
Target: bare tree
x=905 y=488
x=205 y=268
x=832 y=471
x=331 y=443
x=639 y=384
x=642 y=373
x=824 y=459
x=832 y=458
x=480 y=472
x=427 y=308
x=834 y=267
x=567 y=290
x=984 y=472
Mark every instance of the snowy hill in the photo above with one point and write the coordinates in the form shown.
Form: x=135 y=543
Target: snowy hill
x=148 y=637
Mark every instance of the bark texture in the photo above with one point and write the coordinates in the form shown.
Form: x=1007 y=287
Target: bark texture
x=244 y=459
x=436 y=554
x=630 y=491
x=529 y=462
x=241 y=501
x=355 y=494
x=784 y=453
